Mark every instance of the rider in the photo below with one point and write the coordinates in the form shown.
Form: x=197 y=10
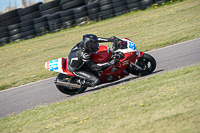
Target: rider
x=80 y=55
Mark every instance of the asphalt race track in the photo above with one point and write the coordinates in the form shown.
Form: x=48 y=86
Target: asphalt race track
x=44 y=92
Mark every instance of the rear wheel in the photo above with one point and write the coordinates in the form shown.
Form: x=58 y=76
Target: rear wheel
x=67 y=90
x=147 y=63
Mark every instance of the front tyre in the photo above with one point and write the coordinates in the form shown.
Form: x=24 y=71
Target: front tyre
x=67 y=90
x=146 y=62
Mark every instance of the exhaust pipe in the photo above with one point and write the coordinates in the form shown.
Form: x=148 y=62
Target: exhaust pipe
x=67 y=84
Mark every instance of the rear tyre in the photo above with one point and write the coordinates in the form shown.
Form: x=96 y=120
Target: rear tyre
x=66 y=90
x=146 y=62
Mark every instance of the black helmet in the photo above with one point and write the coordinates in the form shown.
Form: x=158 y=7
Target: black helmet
x=90 y=43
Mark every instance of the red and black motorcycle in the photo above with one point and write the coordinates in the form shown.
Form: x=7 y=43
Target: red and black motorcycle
x=130 y=61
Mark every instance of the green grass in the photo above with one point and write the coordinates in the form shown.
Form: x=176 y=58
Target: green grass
x=153 y=28
x=164 y=103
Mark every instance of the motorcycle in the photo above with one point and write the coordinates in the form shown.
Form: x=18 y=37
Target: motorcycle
x=130 y=61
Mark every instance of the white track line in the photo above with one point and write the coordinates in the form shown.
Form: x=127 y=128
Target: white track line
x=27 y=84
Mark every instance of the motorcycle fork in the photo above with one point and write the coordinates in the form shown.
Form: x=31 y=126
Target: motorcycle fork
x=138 y=56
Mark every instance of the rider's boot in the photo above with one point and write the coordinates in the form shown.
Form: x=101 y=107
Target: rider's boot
x=81 y=82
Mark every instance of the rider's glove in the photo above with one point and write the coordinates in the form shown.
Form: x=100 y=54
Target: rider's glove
x=118 y=43
x=114 y=40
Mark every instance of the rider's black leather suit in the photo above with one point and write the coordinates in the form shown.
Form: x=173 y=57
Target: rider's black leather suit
x=79 y=57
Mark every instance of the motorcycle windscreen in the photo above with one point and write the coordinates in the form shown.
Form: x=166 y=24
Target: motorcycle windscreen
x=131 y=47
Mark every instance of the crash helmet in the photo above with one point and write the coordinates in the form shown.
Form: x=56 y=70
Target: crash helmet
x=90 y=43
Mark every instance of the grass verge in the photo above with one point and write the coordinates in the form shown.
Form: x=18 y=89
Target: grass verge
x=153 y=28
x=164 y=103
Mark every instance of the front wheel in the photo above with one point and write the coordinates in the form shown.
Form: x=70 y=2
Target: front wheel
x=146 y=62
x=67 y=90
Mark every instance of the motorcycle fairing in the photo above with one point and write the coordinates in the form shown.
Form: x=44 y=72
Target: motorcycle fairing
x=130 y=56
x=119 y=70
x=116 y=72
x=102 y=56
